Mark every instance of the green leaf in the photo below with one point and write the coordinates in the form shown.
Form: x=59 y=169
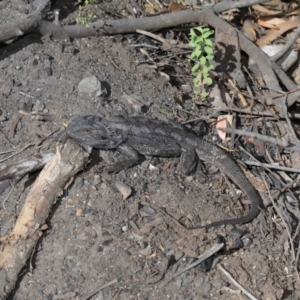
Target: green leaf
x=199 y=78
x=208 y=50
x=192 y=56
x=208 y=81
x=198 y=51
x=203 y=60
x=207 y=33
x=209 y=57
x=192 y=32
x=208 y=42
x=200 y=29
x=204 y=95
x=195 y=68
x=196 y=82
x=205 y=71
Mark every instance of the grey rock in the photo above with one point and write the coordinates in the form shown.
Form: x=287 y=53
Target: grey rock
x=91 y=87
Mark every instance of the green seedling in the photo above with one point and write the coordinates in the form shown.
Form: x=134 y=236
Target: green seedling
x=201 y=58
x=84 y=18
x=86 y=2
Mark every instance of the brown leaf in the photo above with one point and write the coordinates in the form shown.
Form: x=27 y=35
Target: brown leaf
x=173 y=7
x=264 y=10
x=273 y=34
x=271 y=23
x=222 y=123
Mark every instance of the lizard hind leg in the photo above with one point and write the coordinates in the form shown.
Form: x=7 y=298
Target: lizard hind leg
x=188 y=161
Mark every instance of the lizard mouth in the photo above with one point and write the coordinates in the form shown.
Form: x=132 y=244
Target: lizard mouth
x=90 y=130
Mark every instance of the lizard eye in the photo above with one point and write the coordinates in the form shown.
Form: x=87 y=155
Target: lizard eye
x=103 y=138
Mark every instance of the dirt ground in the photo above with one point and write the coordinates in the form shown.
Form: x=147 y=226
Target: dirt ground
x=93 y=235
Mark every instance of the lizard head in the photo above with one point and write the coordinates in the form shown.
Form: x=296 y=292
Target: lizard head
x=92 y=131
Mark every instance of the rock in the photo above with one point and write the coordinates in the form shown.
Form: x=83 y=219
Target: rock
x=91 y=87
x=39 y=106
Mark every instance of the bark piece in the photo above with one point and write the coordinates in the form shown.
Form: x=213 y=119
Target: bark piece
x=24 y=166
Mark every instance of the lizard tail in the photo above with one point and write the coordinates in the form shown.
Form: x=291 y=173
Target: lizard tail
x=228 y=166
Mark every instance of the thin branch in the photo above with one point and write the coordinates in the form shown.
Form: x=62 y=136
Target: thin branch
x=226 y=5
x=202 y=257
x=8 y=157
x=256 y=135
x=93 y=292
x=281 y=168
x=287 y=227
x=288 y=121
x=245 y=111
x=233 y=281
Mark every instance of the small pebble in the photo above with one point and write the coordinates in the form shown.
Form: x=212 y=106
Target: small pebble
x=124 y=189
x=39 y=106
x=78 y=212
x=147 y=211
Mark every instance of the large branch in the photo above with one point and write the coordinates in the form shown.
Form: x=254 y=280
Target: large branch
x=206 y=15
x=30 y=23
x=18 y=246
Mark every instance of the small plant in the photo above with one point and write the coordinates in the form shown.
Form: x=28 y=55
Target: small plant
x=86 y=2
x=84 y=18
x=201 y=58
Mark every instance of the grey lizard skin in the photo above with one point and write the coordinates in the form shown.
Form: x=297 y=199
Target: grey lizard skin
x=139 y=135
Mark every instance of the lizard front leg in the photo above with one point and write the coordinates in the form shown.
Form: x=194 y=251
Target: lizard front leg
x=188 y=161
x=131 y=158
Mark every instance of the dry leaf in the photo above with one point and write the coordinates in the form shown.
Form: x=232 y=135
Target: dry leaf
x=173 y=7
x=267 y=24
x=274 y=34
x=270 y=22
x=264 y=10
x=221 y=124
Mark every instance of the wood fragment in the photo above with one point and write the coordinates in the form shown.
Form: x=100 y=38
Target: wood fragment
x=18 y=246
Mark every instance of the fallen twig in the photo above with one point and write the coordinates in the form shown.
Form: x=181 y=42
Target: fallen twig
x=233 y=281
x=202 y=257
x=256 y=135
x=93 y=292
x=244 y=111
x=16 y=153
x=281 y=168
x=288 y=121
x=288 y=230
